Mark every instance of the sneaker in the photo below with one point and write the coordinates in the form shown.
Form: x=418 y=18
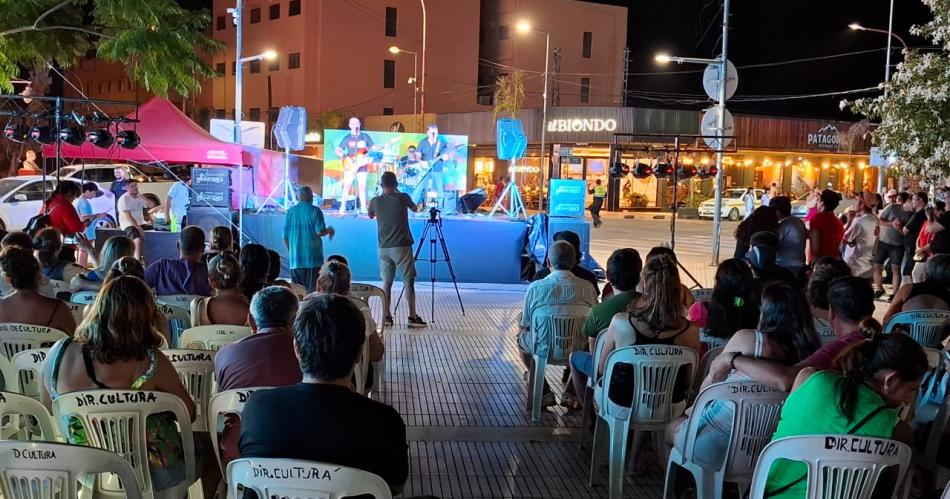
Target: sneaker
x=878 y=293
x=416 y=322
x=548 y=400
x=388 y=321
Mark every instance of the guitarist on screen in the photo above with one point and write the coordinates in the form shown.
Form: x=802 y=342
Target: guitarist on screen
x=354 y=153
x=433 y=151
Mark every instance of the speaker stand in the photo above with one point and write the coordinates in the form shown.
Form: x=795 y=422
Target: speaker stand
x=516 y=207
x=288 y=192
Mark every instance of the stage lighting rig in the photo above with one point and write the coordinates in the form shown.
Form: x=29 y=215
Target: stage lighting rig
x=707 y=172
x=128 y=139
x=642 y=170
x=71 y=135
x=15 y=132
x=100 y=138
x=686 y=172
x=663 y=169
x=42 y=134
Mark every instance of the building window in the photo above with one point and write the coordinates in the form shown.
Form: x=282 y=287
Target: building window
x=219 y=114
x=220 y=22
x=233 y=68
x=585 y=90
x=390 y=21
x=273 y=113
x=389 y=73
x=274 y=64
x=293 y=60
x=294 y=8
x=219 y=68
x=255 y=66
x=388 y=111
x=255 y=16
x=275 y=11
x=588 y=36
x=254 y=114
x=503 y=32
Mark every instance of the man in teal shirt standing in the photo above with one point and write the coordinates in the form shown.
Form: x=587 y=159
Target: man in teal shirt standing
x=303 y=227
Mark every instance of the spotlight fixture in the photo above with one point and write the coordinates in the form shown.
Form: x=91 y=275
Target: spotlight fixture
x=707 y=172
x=71 y=135
x=42 y=134
x=128 y=139
x=15 y=132
x=100 y=138
x=686 y=172
x=642 y=170
x=617 y=169
x=663 y=170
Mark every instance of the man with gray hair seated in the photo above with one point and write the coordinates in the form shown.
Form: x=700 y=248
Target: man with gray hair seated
x=560 y=288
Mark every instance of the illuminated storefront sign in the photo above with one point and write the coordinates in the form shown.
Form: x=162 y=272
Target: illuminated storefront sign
x=582 y=125
x=826 y=138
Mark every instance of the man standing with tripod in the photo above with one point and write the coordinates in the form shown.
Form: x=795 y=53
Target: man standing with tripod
x=391 y=211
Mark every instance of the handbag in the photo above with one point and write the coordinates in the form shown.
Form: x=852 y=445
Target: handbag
x=933 y=392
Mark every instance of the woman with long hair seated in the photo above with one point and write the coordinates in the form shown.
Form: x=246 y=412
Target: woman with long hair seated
x=117 y=347
x=734 y=305
x=113 y=249
x=228 y=305
x=255 y=268
x=785 y=334
x=932 y=293
x=872 y=378
x=26 y=305
x=335 y=278
x=47 y=246
x=222 y=243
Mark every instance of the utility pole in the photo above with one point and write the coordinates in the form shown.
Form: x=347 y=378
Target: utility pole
x=624 y=88
x=723 y=67
x=556 y=84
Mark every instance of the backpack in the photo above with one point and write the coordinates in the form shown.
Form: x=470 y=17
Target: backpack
x=37 y=223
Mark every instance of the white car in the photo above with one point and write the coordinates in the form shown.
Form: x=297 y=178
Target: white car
x=104 y=175
x=21 y=198
x=733 y=207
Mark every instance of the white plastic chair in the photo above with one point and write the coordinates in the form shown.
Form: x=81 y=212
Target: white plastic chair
x=924 y=326
x=946 y=493
x=41 y=470
x=656 y=369
x=587 y=413
x=934 y=357
x=16 y=407
x=285 y=478
x=825 y=333
x=179 y=319
x=196 y=370
x=78 y=310
x=555 y=333
x=180 y=301
x=926 y=458
x=711 y=342
x=28 y=365
x=11 y=382
x=60 y=289
x=701 y=294
x=839 y=466
x=228 y=402
x=212 y=337
x=16 y=337
x=83 y=297
x=115 y=420
x=365 y=292
x=756 y=409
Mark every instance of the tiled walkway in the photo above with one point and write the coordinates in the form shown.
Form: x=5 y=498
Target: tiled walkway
x=459 y=388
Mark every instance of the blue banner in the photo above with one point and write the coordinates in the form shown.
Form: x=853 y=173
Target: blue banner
x=568 y=198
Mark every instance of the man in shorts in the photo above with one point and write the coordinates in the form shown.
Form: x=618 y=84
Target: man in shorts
x=391 y=211
x=131 y=210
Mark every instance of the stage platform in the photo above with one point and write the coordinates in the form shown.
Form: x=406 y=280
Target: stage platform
x=482 y=249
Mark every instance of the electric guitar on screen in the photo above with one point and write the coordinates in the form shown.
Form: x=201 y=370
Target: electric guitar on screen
x=365 y=156
x=423 y=167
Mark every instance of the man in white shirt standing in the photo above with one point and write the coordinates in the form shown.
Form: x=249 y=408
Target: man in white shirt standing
x=131 y=208
x=176 y=203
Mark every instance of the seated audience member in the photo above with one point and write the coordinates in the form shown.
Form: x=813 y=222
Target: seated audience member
x=228 y=305
x=113 y=249
x=47 y=246
x=932 y=293
x=763 y=219
x=26 y=305
x=623 y=271
x=873 y=378
x=117 y=347
x=785 y=335
x=850 y=305
x=255 y=267
x=273 y=270
x=685 y=296
x=734 y=305
x=577 y=269
x=23 y=240
x=322 y=419
x=825 y=271
x=338 y=258
x=561 y=289
x=186 y=275
x=222 y=243
x=127 y=265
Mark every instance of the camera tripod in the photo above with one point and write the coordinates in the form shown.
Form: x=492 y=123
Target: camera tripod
x=435 y=237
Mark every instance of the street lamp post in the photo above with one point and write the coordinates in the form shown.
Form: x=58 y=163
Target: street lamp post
x=422 y=84
x=415 y=83
x=523 y=28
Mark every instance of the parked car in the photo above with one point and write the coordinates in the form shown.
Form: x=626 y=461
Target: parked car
x=733 y=207
x=104 y=175
x=800 y=208
x=22 y=197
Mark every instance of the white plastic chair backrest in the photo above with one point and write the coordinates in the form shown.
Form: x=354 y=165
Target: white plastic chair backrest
x=924 y=326
x=298 y=479
x=946 y=492
x=180 y=301
x=8 y=373
x=711 y=341
x=932 y=446
x=701 y=294
x=83 y=297
x=224 y=403
x=557 y=331
x=60 y=287
x=756 y=410
x=29 y=369
x=46 y=470
x=364 y=292
x=115 y=420
x=15 y=404
x=212 y=337
x=655 y=372
x=706 y=362
x=599 y=343
x=16 y=337
x=175 y=313
x=825 y=333
x=77 y=309
x=934 y=357
x=196 y=370
x=839 y=466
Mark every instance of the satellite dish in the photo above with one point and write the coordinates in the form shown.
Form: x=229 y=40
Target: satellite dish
x=710 y=126
x=711 y=80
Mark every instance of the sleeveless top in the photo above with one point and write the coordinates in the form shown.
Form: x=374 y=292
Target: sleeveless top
x=624 y=339
x=929 y=288
x=57 y=359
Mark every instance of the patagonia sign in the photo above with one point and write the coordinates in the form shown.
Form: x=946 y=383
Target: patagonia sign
x=826 y=138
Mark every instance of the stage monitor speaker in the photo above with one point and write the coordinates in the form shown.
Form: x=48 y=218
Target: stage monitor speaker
x=471 y=200
x=291 y=128
x=512 y=141
x=209 y=218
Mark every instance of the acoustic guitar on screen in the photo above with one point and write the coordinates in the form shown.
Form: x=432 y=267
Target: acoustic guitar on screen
x=366 y=156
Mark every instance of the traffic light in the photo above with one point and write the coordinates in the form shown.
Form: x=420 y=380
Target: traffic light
x=663 y=170
x=642 y=170
x=686 y=172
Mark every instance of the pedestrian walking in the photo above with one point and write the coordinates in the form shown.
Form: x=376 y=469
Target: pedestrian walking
x=599 y=192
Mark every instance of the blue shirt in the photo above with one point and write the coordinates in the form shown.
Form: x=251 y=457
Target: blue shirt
x=178 y=197
x=302 y=228
x=84 y=207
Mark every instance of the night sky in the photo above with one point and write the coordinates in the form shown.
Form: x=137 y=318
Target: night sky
x=766 y=31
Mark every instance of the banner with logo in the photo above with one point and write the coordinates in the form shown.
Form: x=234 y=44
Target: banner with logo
x=567 y=198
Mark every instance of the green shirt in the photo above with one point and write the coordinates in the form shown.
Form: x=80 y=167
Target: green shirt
x=812 y=409
x=599 y=317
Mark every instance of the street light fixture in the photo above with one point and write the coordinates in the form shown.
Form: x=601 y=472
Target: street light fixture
x=268 y=55
x=524 y=27
x=415 y=82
